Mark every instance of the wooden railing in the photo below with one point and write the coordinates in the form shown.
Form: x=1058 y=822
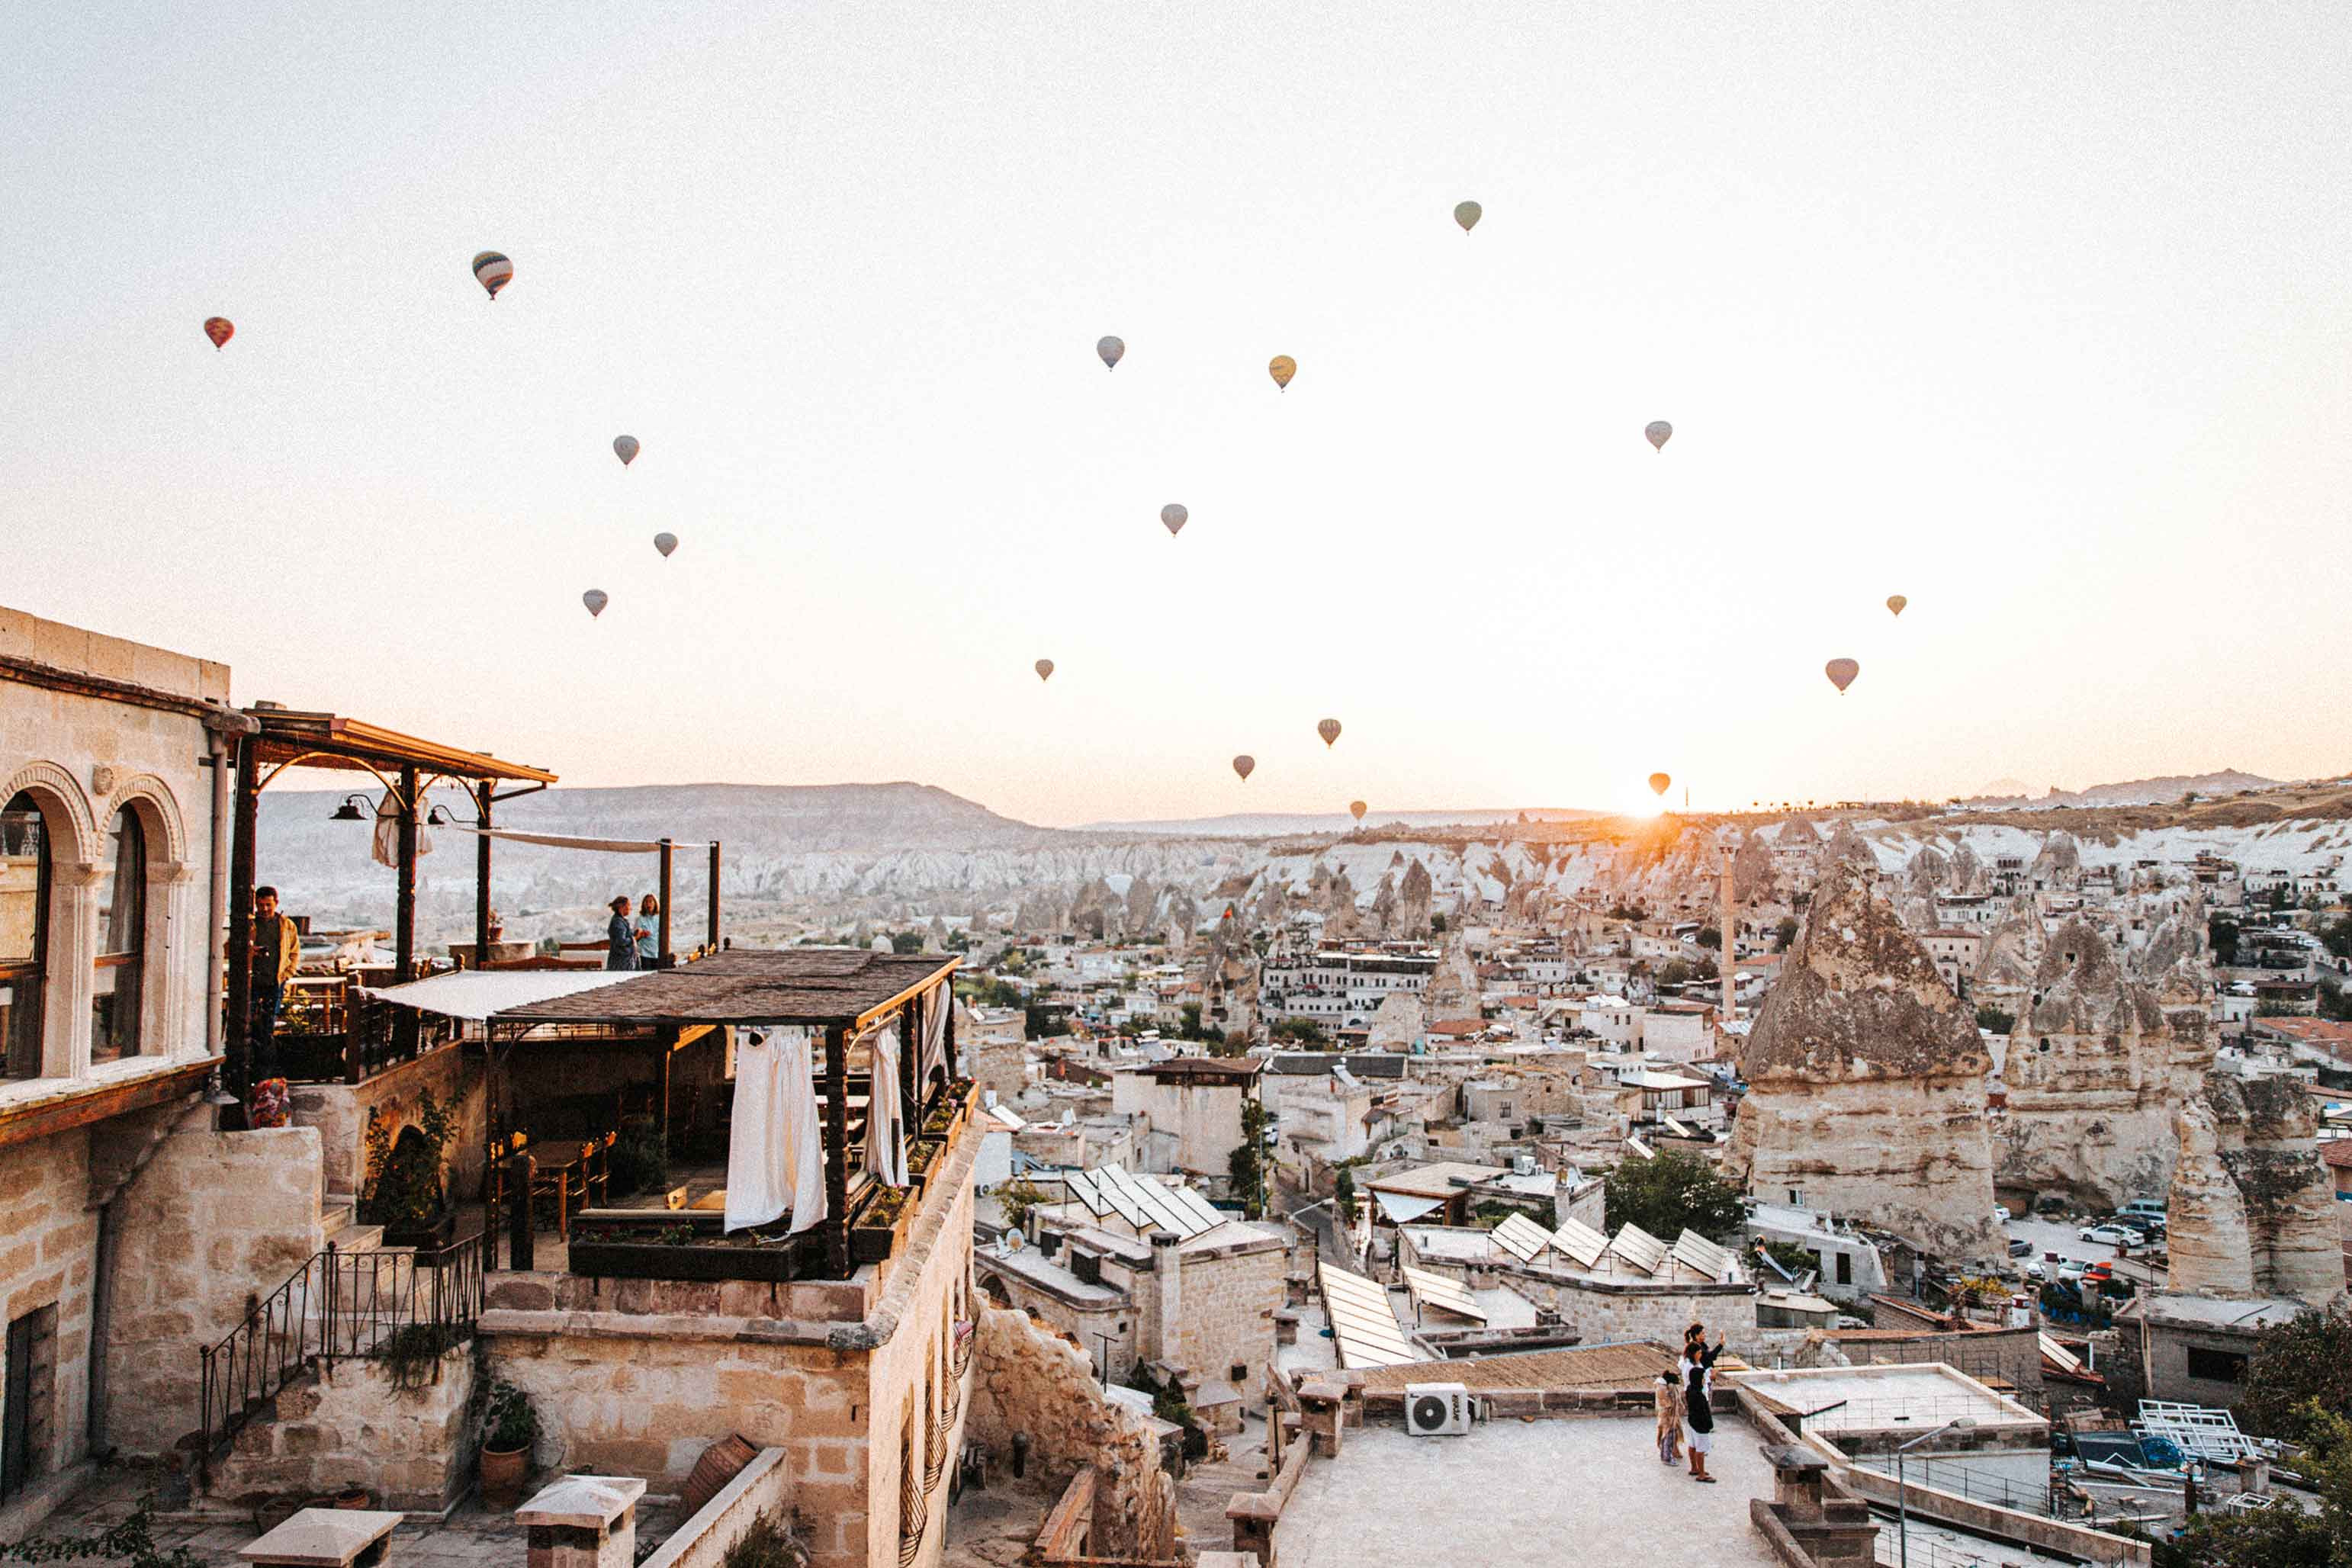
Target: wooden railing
x=338 y=1306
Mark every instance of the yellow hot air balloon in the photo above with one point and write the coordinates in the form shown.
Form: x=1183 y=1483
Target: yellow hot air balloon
x=1467 y=214
x=1659 y=782
x=1356 y=809
x=1245 y=765
x=1330 y=730
x=1044 y=669
x=1894 y=603
x=1840 y=672
x=492 y=272
x=1282 y=368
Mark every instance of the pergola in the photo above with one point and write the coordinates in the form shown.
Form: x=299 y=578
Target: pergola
x=406 y=767
x=846 y=993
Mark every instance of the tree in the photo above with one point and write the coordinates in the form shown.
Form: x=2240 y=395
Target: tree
x=1709 y=937
x=1675 y=973
x=1191 y=1029
x=1304 y=1031
x=1672 y=1191
x=2336 y=936
x=1343 y=1192
x=905 y=942
x=1991 y=1018
x=1784 y=933
x=2284 y=1535
x=1246 y=1163
x=2306 y=1360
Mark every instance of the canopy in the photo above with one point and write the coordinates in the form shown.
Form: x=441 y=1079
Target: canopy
x=1402 y=1209
x=567 y=841
x=477 y=994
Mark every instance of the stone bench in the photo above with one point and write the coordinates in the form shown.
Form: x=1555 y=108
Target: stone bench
x=327 y=1538
x=582 y=1522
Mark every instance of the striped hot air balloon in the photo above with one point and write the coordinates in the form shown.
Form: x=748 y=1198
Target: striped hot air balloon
x=492 y=272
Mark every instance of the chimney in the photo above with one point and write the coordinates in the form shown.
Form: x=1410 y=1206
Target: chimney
x=584 y=1522
x=1168 y=1278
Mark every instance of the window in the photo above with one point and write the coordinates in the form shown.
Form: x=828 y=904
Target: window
x=23 y=932
x=1845 y=1267
x=2216 y=1366
x=117 y=988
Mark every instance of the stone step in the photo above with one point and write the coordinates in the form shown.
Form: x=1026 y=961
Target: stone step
x=341 y=1225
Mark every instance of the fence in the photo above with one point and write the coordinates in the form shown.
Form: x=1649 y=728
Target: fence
x=1961 y=1478
x=338 y=1306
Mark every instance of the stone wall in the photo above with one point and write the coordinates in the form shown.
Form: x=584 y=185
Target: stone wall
x=1028 y=1380
x=1659 y=1312
x=215 y=1217
x=703 y=1540
x=48 y=1247
x=1225 y=1313
x=340 y=1112
x=354 y=1424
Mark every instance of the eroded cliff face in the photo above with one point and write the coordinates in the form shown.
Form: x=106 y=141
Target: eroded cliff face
x=2253 y=1209
x=1867 y=1083
x=2098 y=1062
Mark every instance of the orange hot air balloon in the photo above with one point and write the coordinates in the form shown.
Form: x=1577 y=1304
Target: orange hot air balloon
x=1356 y=809
x=1044 y=669
x=1894 y=603
x=219 y=329
x=1330 y=730
x=1842 y=672
x=1659 y=782
x=1282 y=368
x=1245 y=765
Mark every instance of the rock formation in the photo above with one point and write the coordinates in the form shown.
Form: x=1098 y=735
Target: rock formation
x=1398 y=1022
x=2058 y=864
x=1929 y=872
x=1845 y=847
x=1752 y=870
x=1414 y=897
x=2094 y=1066
x=2253 y=1212
x=1867 y=1077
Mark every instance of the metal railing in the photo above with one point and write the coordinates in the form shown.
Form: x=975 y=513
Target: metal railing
x=338 y=1306
x=1957 y=1477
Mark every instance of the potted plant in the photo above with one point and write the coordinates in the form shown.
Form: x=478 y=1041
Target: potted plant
x=509 y=1430
x=402 y=1192
x=496 y=925
x=874 y=1235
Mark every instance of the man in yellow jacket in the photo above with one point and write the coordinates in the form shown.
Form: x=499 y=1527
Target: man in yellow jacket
x=277 y=951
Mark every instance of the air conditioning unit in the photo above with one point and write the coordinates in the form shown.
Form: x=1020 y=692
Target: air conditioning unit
x=1436 y=1409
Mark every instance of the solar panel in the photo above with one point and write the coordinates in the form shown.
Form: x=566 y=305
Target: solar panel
x=1639 y=1249
x=1363 y=1325
x=1201 y=1209
x=1151 y=1200
x=1581 y=1242
x=1635 y=1145
x=1521 y=1237
x=1118 y=1199
x=1676 y=1127
x=1698 y=1252
x=1444 y=1293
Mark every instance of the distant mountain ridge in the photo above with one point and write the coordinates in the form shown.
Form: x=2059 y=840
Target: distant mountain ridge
x=2161 y=791
x=1291 y=824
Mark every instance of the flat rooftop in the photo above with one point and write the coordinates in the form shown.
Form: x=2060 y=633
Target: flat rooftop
x=1535 y=1493
x=1883 y=1398
x=750 y=985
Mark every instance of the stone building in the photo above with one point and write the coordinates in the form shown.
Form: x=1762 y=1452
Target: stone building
x=1867 y=1077
x=1192 y=1105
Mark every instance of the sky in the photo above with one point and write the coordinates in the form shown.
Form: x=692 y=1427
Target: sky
x=2040 y=315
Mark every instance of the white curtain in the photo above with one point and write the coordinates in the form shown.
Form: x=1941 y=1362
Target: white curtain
x=385 y=851
x=886 y=1112
x=776 y=1153
x=932 y=1051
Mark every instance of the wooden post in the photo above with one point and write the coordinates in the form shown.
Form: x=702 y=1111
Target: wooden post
x=521 y=1169
x=238 y=1043
x=482 y=877
x=910 y=1058
x=404 y=915
x=714 y=895
x=946 y=1047
x=662 y=958
x=837 y=1149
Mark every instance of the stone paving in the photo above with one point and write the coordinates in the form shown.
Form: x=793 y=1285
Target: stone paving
x=471 y=1537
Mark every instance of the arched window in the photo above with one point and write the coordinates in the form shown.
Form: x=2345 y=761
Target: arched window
x=23 y=932
x=119 y=986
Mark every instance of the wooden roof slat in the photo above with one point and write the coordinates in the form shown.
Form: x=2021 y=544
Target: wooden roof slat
x=753 y=986
x=331 y=740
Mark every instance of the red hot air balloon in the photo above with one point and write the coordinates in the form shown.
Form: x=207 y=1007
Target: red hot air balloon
x=1330 y=730
x=1245 y=765
x=220 y=330
x=1840 y=672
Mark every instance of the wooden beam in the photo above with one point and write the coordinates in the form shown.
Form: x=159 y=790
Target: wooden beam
x=837 y=1151
x=482 y=799
x=947 y=1043
x=879 y=1009
x=668 y=857
x=910 y=1090
x=714 y=895
x=238 y=1043
x=403 y=909
x=23 y=1124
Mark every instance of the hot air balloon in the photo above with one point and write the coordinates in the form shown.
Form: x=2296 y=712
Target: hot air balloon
x=1112 y=352
x=1467 y=213
x=1044 y=669
x=625 y=449
x=1246 y=766
x=665 y=542
x=1356 y=809
x=1172 y=516
x=492 y=272
x=1840 y=672
x=1894 y=603
x=1282 y=368
x=1657 y=431
x=219 y=329
x=1330 y=730
x=1659 y=782
x=596 y=600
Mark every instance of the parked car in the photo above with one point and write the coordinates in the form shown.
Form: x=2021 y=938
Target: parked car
x=2113 y=1236
x=2019 y=1248
x=2071 y=1269
x=2036 y=1272
x=2001 y=1213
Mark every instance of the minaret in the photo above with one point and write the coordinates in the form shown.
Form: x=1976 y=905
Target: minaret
x=1727 y=924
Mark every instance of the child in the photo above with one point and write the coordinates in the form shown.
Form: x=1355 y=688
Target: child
x=1668 y=1397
